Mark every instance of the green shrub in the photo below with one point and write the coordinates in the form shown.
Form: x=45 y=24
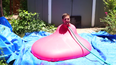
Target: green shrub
x=110 y=18
x=6 y=7
x=110 y=5
x=110 y=22
x=2 y=62
x=29 y=22
x=23 y=5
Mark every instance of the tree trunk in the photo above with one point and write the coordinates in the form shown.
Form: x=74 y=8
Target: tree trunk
x=1 y=10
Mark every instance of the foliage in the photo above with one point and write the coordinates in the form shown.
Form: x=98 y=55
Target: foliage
x=110 y=5
x=29 y=22
x=110 y=18
x=2 y=63
x=23 y=4
x=110 y=22
x=6 y=7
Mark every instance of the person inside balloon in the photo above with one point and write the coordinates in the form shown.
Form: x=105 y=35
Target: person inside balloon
x=66 y=19
x=63 y=28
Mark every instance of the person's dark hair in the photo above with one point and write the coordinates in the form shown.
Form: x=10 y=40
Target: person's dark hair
x=64 y=15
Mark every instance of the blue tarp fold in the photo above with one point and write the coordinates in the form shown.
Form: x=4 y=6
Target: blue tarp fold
x=5 y=22
x=10 y=43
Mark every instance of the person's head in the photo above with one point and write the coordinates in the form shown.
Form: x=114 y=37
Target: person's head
x=66 y=18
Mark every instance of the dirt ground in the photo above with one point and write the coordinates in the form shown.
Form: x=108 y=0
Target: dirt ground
x=88 y=30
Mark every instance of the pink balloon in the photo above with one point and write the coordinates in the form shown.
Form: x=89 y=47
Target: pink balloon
x=60 y=45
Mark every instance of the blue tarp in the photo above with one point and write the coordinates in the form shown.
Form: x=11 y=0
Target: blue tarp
x=5 y=22
x=13 y=47
x=103 y=45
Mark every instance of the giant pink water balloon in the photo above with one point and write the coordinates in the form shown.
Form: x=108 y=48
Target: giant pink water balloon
x=60 y=45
